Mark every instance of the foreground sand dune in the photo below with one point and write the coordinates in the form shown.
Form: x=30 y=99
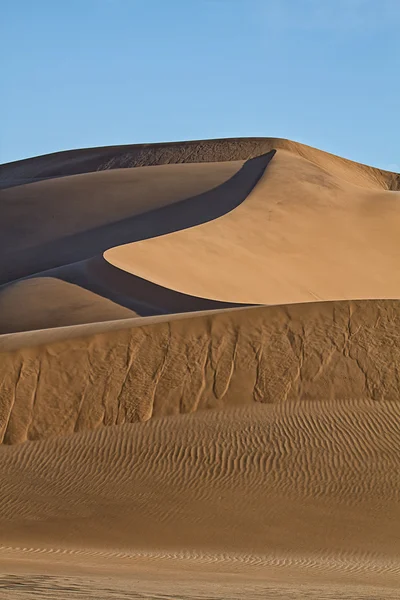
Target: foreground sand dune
x=59 y=381
x=156 y=431
x=310 y=488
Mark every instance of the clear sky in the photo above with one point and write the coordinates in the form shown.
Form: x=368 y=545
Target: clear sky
x=81 y=73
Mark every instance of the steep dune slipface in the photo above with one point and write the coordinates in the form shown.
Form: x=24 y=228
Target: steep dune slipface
x=96 y=211
x=45 y=302
x=84 y=202
x=57 y=382
x=301 y=235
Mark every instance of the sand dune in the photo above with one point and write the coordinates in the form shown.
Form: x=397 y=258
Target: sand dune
x=72 y=162
x=163 y=434
x=45 y=302
x=312 y=487
x=344 y=350
x=96 y=211
x=301 y=235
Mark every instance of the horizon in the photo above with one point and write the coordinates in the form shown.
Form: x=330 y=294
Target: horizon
x=118 y=72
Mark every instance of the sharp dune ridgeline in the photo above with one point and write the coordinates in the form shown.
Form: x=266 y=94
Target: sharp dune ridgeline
x=200 y=365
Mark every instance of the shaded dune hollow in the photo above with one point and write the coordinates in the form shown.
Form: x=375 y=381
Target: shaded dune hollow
x=96 y=211
x=59 y=381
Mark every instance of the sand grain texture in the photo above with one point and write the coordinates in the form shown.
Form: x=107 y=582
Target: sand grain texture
x=58 y=381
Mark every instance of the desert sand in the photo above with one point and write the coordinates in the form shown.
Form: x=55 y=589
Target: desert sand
x=199 y=373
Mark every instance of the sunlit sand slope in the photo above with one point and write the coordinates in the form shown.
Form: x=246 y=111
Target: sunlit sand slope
x=45 y=302
x=41 y=233
x=302 y=234
x=58 y=221
x=313 y=485
x=60 y=381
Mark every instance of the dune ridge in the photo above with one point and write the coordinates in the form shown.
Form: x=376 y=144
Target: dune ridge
x=134 y=205
x=86 y=160
x=302 y=234
x=229 y=358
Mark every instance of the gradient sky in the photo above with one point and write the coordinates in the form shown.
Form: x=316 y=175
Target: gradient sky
x=81 y=73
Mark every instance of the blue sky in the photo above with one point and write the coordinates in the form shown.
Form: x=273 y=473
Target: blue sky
x=83 y=73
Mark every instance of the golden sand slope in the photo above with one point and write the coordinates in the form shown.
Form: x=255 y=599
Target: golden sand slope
x=59 y=381
x=53 y=222
x=311 y=486
x=303 y=234
x=45 y=302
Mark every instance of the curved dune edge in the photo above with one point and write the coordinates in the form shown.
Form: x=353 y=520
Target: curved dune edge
x=302 y=234
x=235 y=486
x=48 y=302
x=135 y=205
x=87 y=160
x=338 y=350
x=79 y=203
x=102 y=280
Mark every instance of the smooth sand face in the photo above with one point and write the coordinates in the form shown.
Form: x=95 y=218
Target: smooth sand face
x=45 y=302
x=219 y=453
x=58 y=221
x=301 y=235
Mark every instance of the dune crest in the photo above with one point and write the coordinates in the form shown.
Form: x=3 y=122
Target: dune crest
x=302 y=234
x=96 y=211
x=71 y=162
x=228 y=358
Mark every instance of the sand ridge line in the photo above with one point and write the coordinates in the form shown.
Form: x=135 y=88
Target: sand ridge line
x=348 y=564
x=168 y=367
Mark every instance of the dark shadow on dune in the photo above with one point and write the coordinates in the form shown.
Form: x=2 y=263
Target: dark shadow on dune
x=137 y=294
x=90 y=160
x=187 y=213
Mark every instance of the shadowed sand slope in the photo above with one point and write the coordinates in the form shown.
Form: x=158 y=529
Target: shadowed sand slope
x=45 y=302
x=302 y=234
x=56 y=222
x=139 y=295
x=57 y=382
